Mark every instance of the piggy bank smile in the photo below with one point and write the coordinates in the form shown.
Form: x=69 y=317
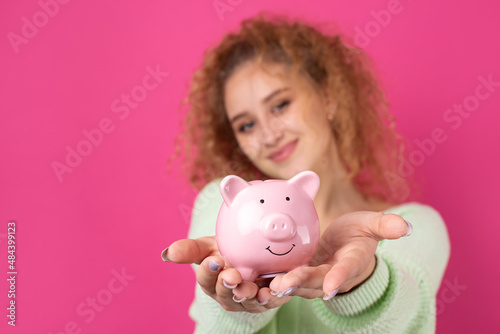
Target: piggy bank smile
x=278 y=254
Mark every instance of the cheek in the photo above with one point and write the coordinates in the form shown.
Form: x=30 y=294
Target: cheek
x=297 y=123
x=317 y=125
x=249 y=145
x=300 y=118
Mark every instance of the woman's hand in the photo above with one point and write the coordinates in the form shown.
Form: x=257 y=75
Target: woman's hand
x=345 y=257
x=220 y=281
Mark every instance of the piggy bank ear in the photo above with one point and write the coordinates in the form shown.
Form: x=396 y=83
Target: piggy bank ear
x=231 y=186
x=308 y=181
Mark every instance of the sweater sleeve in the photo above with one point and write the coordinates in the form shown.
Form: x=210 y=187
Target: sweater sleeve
x=400 y=295
x=209 y=316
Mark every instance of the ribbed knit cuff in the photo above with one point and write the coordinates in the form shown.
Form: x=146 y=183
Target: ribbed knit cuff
x=365 y=295
x=342 y=310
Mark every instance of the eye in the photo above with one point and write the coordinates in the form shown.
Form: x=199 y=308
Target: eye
x=281 y=106
x=246 y=127
x=262 y=201
x=287 y=198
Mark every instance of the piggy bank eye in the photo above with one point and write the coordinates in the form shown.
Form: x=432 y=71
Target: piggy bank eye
x=262 y=201
x=287 y=198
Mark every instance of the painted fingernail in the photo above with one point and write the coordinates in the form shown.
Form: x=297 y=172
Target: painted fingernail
x=410 y=229
x=331 y=295
x=164 y=255
x=263 y=303
x=214 y=266
x=289 y=291
x=274 y=293
x=239 y=300
x=229 y=286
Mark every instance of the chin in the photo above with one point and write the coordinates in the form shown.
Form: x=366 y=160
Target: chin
x=287 y=171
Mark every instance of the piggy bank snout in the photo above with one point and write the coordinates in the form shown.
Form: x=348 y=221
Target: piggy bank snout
x=278 y=227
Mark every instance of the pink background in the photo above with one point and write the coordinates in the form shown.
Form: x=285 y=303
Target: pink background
x=119 y=206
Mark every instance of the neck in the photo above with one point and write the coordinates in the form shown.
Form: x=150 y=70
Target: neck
x=337 y=195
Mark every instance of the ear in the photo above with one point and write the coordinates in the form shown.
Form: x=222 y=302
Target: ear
x=330 y=104
x=326 y=95
x=308 y=181
x=231 y=186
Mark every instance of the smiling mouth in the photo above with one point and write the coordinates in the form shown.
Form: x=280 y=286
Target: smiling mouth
x=269 y=249
x=284 y=152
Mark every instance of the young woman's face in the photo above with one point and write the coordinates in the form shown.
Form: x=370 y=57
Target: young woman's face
x=280 y=122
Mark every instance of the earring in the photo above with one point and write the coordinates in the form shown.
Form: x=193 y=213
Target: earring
x=330 y=116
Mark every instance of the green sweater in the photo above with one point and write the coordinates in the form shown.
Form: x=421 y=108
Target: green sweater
x=399 y=297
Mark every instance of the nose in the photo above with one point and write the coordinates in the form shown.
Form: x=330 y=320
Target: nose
x=272 y=132
x=278 y=227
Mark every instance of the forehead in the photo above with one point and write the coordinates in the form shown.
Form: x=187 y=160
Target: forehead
x=258 y=74
x=251 y=83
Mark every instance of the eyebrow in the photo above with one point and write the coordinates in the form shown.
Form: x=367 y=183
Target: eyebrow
x=264 y=101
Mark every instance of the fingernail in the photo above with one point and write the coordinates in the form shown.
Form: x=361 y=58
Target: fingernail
x=263 y=303
x=410 y=229
x=164 y=255
x=229 y=286
x=331 y=295
x=214 y=266
x=289 y=291
x=239 y=300
x=274 y=293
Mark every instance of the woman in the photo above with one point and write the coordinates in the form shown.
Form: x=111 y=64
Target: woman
x=270 y=101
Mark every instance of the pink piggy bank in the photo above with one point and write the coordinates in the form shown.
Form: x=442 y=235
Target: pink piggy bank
x=265 y=228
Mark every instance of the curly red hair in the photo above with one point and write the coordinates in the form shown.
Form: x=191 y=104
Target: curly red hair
x=364 y=130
